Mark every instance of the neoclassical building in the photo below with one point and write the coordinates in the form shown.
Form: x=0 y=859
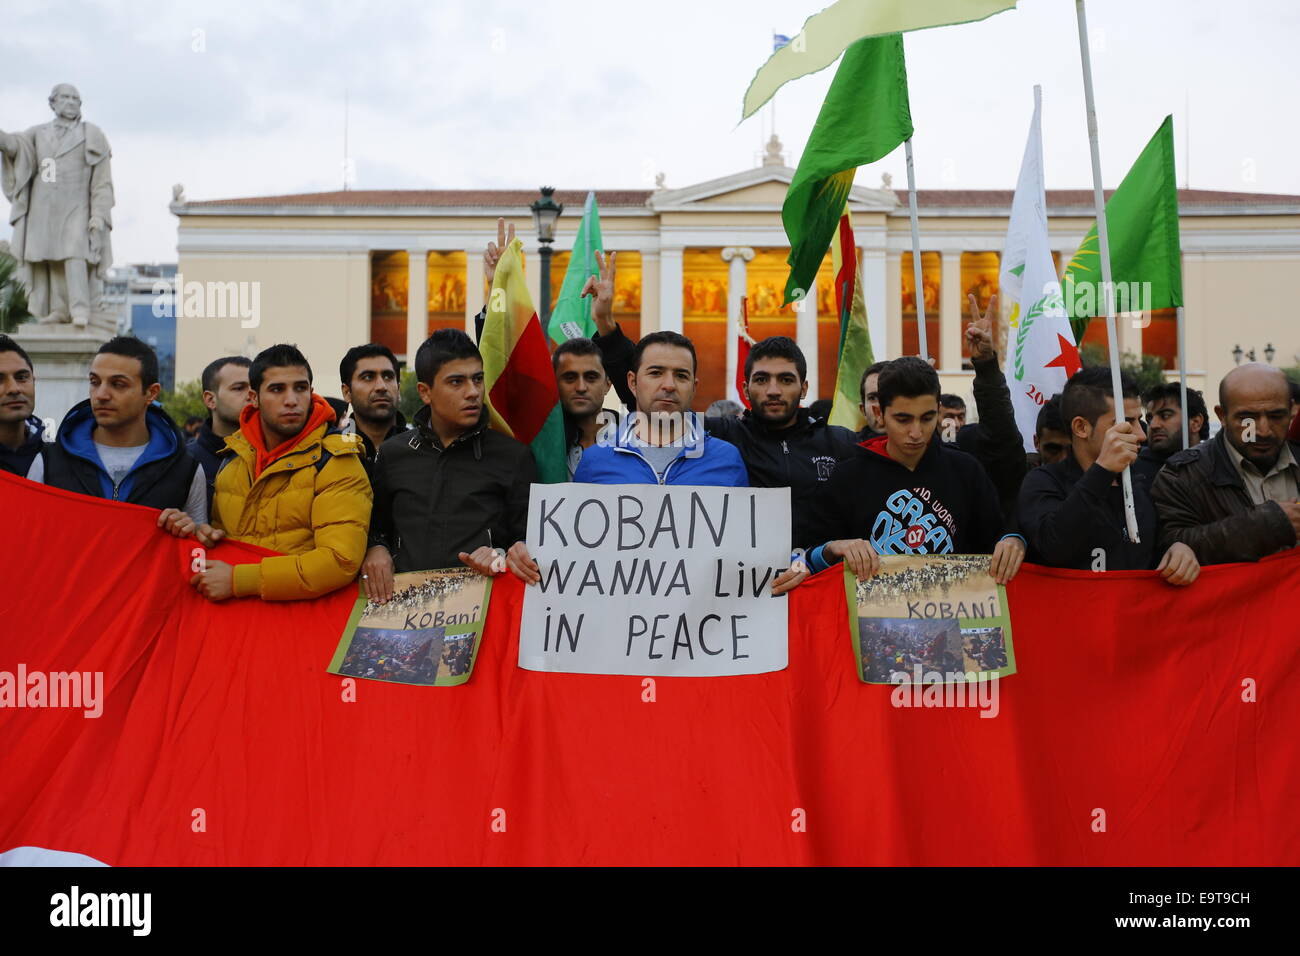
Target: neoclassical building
x=334 y=269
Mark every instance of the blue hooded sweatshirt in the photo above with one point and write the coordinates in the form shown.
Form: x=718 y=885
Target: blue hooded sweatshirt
x=701 y=460
x=76 y=435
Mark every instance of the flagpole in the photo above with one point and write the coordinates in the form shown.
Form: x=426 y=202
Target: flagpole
x=1182 y=373
x=922 y=345
x=1103 y=241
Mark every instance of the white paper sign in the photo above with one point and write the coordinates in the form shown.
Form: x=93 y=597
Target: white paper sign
x=656 y=580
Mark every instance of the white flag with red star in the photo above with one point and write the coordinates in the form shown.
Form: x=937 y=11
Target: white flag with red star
x=1041 y=352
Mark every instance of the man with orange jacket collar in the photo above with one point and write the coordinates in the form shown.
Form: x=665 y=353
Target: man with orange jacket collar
x=289 y=483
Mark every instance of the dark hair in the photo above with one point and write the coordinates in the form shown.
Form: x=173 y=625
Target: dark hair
x=209 y=377
x=9 y=345
x=1049 y=417
x=277 y=356
x=907 y=377
x=443 y=346
x=128 y=346
x=663 y=338
x=875 y=368
x=577 y=346
x=193 y=420
x=821 y=409
x=1172 y=392
x=1085 y=394
x=777 y=346
x=949 y=400
x=348 y=366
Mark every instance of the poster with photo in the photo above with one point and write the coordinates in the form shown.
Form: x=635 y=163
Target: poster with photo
x=426 y=634
x=937 y=618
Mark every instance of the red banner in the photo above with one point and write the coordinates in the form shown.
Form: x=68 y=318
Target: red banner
x=1146 y=725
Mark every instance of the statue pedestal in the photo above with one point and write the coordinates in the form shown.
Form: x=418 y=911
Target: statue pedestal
x=61 y=355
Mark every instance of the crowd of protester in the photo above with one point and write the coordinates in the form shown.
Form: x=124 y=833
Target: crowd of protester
x=350 y=488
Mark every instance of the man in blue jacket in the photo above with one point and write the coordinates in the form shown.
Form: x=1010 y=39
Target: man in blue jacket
x=120 y=445
x=663 y=442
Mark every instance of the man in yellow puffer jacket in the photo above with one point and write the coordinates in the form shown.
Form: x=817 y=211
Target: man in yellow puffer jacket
x=287 y=484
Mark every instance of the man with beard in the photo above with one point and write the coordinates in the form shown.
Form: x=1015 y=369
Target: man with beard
x=21 y=441
x=582 y=383
x=370 y=383
x=225 y=393
x=1164 y=413
x=1234 y=498
x=783 y=445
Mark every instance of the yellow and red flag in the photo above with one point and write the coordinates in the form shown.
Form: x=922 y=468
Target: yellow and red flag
x=522 y=396
x=855 y=354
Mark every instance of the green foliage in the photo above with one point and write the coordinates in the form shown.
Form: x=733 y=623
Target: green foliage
x=409 y=403
x=185 y=401
x=1292 y=372
x=1147 y=370
x=13 y=297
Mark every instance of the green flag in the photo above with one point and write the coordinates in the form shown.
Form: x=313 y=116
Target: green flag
x=864 y=118
x=1145 y=254
x=572 y=316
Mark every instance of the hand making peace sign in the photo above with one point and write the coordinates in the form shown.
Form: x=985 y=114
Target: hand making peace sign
x=979 y=334
x=602 y=289
x=495 y=249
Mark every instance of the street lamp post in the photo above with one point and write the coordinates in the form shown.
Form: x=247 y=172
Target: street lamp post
x=545 y=211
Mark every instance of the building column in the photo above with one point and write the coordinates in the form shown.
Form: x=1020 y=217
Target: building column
x=950 y=309
x=893 y=307
x=417 y=302
x=474 y=294
x=649 y=291
x=874 y=285
x=533 y=275
x=805 y=332
x=670 y=289
x=737 y=283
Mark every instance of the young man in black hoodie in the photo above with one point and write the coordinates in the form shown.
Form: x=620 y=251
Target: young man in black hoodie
x=450 y=490
x=21 y=432
x=1072 y=511
x=225 y=393
x=908 y=492
x=783 y=445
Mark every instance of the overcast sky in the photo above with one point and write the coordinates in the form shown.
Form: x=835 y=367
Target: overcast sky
x=247 y=98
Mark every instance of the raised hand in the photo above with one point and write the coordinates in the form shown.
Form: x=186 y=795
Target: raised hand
x=601 y=287
x=979 y=334
x=494 y=249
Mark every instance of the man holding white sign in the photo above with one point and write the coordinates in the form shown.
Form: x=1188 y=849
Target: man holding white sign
x=661 y=443
x=662 y=581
